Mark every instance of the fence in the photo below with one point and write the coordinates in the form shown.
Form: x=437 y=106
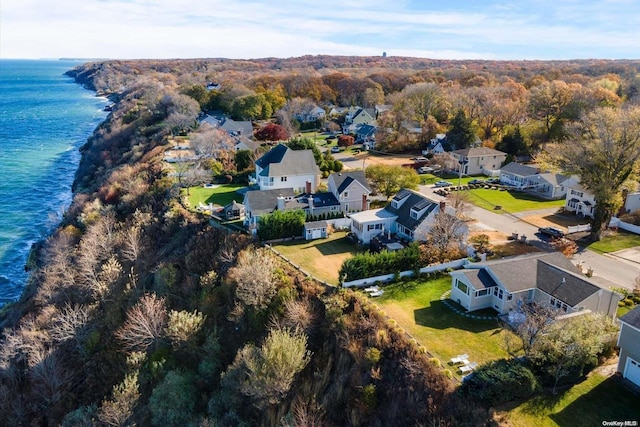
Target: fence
x=389 y=277
x=615 y=222
x=578 y=228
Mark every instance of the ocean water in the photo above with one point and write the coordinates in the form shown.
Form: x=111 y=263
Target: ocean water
x=44 y=118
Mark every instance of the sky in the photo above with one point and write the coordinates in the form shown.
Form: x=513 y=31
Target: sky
x=245 y=29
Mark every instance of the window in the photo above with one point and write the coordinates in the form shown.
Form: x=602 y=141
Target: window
x=500 y=294
x=509 y=297
x=414 y=214
x=334 y=208
x=482 y=292
x=576 y=193
x=463 y=287
x=345 y=195
x=394 y=204
x=283 y=179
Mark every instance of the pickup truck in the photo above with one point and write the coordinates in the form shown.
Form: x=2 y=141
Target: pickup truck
x=551 y=232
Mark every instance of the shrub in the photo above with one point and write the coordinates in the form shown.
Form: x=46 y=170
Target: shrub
x=173 y=400
x=435 y=362
x=372 y=355
x=370 y=264
x=500 y=381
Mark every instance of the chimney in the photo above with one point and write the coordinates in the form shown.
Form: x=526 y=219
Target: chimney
x=365 y=203
x=443 y=204
x=308 y=187
x=280 y=203
x=310 y=201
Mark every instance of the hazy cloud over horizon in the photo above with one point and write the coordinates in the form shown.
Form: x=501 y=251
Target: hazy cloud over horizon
x=537 y=29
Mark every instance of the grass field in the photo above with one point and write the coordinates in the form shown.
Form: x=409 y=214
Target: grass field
x=589 y=403
x=220 y=195
x=417 y=308
x=615 y=241
x=509 y=201
x=322 y=258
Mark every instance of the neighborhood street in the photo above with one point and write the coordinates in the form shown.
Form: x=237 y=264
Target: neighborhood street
x=622 y=272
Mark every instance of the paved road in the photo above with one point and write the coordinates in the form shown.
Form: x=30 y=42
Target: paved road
x=612 y=268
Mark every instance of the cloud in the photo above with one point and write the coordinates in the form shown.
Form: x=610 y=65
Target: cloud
x=541 y=29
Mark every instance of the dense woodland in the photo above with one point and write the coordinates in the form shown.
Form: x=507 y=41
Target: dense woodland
x=139 y=312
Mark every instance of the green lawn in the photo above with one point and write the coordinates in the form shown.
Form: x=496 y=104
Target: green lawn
x=220 y=195
x=417 y=308
x=615 y=241
x=510 y=201
x=322 y=258
x=589 y=403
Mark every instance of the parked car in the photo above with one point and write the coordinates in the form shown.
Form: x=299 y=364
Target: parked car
x=425 y=169
x=420 y=159
x=551 y=232
x=443 y=184
x=493 y=181
x=477 y=181
x=335 y=149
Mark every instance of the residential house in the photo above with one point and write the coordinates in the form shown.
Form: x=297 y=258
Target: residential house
x=580 y=201
x=356 y=116
x=629 y=344
x=516 y=174
x=478 y=160
x=547 y=185
x=311 y=115
x=240 y=131
x=366 y=134
x=632 y=202
x=338 y=111
x=351 y=189
x=409 y=215
x=436 y=145
x=548 y=278
x=261 y=202
x=283 y=167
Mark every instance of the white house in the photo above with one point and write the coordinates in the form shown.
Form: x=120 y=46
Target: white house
x=632 y=202
x=528 y=178
x=478 y=160
x=409 y=215
x=580 y=201
x=283 y=167
x=548 y=278
x=629 y=344
x=436 y=145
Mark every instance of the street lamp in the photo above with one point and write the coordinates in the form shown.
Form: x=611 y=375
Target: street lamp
x=461 y=162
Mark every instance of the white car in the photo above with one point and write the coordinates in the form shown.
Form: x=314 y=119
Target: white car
x=335 y=149
x=443 y=184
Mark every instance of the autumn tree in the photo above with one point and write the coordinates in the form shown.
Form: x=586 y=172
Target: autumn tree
x=388 y=179
x=548 y=102
x=604 y=151
x=271 y=132
x=446 y=236
x=345 y=141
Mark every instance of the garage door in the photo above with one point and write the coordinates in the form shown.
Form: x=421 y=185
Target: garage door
x=316 y=234
x=632 y=371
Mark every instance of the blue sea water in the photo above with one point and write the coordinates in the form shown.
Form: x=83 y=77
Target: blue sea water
x=44 y=118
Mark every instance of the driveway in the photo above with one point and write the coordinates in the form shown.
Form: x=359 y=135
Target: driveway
x=621 y=268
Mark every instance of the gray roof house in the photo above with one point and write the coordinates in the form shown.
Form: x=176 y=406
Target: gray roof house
x=351 y=189
x=478 y=160
x=529 y=178
x=283 y=167
x=548 y=278
x=629 y=343
x=409 y=215
x=260 y=202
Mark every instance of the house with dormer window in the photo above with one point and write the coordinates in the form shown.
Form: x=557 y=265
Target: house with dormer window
x=409 y=215
x=351 y=189
x=548 y=279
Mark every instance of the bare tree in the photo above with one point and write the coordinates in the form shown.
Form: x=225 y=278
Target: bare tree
x=254 y=277
x=145 y=324
x=71 y=323
x=447 y=234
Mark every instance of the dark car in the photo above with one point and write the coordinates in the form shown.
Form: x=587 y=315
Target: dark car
x=477 y=182
x=551 y=232
x=493 y=181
